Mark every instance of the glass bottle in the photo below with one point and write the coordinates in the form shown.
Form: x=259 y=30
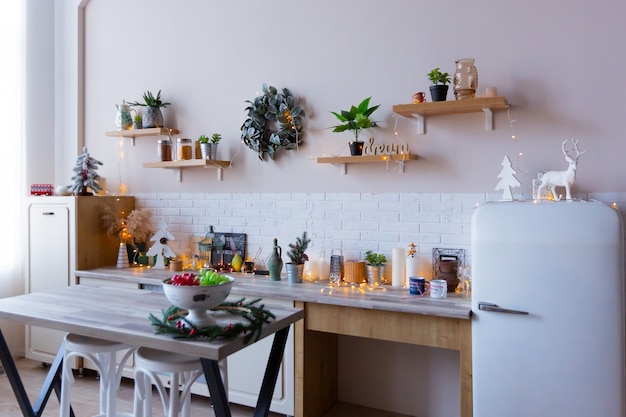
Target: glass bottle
x=465 y=79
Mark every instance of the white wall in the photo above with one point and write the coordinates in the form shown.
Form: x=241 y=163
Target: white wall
x=208 y=57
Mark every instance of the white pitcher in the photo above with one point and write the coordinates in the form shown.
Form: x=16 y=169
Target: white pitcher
x=124 y=120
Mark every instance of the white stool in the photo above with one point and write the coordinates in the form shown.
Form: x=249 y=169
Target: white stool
x=103 y=355
x=183 y=371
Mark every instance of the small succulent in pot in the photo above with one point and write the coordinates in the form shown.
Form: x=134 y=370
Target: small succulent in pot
x=152 y=117
x=375 y=259
x=297 y=250
x=216 y=137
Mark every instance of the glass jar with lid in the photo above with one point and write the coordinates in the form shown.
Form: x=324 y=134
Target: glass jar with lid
x=183 y=149
x=164 y=150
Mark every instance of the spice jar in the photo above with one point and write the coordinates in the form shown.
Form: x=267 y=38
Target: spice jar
x=183 y=149
x=164 y=150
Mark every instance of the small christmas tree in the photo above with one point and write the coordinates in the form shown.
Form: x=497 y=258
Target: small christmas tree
x=85 y=175
x=160 y=248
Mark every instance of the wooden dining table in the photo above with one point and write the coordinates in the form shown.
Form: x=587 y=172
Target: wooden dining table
x=121 y=315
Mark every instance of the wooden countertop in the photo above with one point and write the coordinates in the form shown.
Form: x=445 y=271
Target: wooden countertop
x=391 y=299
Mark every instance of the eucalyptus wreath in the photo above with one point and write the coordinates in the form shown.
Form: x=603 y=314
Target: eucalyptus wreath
x=274 y=122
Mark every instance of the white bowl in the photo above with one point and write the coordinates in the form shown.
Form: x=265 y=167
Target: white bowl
x=197 y=299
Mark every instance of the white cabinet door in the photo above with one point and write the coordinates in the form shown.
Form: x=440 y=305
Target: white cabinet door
x=49 y=268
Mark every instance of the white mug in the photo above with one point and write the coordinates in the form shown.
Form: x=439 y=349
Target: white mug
x=438 y=288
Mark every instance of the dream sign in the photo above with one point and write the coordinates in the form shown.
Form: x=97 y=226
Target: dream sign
x=385 y=149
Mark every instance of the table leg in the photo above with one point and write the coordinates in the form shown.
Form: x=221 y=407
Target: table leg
x=271 y=373
x=216 y=385
x=52 y=381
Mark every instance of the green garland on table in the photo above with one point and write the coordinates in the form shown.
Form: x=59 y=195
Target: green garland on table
x=175 y=323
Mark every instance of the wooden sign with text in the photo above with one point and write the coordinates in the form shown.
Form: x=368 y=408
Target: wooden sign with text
x=385 y=149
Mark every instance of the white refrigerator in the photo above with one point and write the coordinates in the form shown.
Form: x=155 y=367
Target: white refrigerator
x=548 y=310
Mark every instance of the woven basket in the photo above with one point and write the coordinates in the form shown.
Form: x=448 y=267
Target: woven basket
x=354 y=271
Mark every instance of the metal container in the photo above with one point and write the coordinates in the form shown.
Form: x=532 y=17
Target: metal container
x=336 y=266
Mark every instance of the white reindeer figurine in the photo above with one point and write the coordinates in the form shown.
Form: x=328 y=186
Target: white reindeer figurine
x=565 y=178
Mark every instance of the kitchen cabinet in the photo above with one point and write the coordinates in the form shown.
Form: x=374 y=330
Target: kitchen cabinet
x=419 y=111
x=65 y=234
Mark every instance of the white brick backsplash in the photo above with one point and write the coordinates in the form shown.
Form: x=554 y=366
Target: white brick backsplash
x=351 y=222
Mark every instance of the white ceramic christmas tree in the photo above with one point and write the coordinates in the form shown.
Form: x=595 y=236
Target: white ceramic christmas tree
x=507 y=179
x=160 y=248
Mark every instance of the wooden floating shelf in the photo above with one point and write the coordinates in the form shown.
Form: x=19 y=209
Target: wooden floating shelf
x=474 y=105
x=364 y=159
x=190 y=163
x=137 y=133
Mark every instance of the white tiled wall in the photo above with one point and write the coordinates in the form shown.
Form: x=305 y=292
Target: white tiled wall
x=352 y=222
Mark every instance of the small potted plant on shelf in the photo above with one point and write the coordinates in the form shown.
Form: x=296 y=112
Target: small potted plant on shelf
x=152 y=115
x=215 y=139
x=356 y=119
x=205 y=146
x=375 y=267
x=298 y=257
x=137 y=122
x=439 y=89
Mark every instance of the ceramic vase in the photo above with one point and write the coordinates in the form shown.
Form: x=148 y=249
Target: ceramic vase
x=152 y=117
x=275 y=262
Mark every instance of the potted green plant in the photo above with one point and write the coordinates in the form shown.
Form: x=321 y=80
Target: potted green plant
x=215 y=139
x=137 y=122
x=356 y=119
x=205 y=146
x=152 y=115
x=439 y=89
x=298 y=257
x=375 y=267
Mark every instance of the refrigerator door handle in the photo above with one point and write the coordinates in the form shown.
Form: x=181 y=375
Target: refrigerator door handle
x=494 y=307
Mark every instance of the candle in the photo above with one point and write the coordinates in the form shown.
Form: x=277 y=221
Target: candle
x=324 y=269
x=312 y=268
x=397 y=267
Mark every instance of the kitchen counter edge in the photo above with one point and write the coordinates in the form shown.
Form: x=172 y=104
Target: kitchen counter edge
x=391 y=299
